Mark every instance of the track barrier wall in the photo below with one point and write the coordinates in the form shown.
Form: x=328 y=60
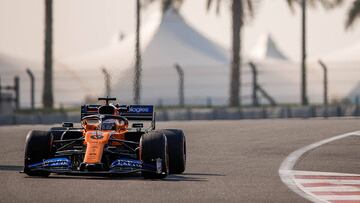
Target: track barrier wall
x=201 y=114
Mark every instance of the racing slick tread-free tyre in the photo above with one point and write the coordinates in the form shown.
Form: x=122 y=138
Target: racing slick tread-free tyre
x=177 y=150
x=37 y=147
x=153 y=145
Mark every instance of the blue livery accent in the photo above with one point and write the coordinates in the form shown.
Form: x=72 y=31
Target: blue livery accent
x=127 y=163
x=54 y=162
x=140 y=109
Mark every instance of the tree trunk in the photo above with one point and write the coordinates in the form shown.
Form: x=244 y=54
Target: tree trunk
x=304 y=99
x=48 y=77
x=235 y=77
x=137 y=79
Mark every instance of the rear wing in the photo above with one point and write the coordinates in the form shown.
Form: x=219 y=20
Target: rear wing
x=137 y=112
x=131 y=112
x=88 y=110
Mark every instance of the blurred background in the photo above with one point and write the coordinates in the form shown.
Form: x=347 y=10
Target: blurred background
x=181 y=54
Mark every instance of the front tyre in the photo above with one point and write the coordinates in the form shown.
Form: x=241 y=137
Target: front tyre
x=153 y=145
x=177 y=150
x=37 y=148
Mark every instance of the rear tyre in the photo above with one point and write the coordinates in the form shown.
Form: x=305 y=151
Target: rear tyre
x=153 y=145
x=37 y=148
x=177 y=150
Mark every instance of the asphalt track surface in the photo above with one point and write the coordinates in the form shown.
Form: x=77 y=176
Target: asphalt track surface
x=228 y=161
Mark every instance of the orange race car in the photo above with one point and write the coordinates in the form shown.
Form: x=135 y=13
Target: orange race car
x=107 y=144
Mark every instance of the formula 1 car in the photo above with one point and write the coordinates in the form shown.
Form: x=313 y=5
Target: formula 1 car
x=105 y=144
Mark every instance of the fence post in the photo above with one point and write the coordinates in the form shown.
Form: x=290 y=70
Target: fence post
x=180 y=72
x=32 y=86
x=17 y=92
x=107 y=81
x=325 y=81
x=254 y=72
x=267 y=96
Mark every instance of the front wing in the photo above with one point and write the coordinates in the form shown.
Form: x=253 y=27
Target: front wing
x=119 y=166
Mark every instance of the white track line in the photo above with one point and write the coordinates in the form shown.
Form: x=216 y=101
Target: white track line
x=343 y=198
x=335 y=189
x=297 y=172
x=286 y=168
x=301 y=181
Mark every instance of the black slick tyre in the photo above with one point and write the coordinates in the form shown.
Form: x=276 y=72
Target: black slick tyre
x=177 y=150
x=153 y=145
x=37 y=148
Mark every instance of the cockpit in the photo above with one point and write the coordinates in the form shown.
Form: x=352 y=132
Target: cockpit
x=105 y=122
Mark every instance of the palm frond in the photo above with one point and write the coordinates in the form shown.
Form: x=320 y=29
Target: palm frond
x=327 y=4
x=218 y=2
x=250 y=9
x=330 y=4
x=291 y=4
x=353 y=14
x=209 y=4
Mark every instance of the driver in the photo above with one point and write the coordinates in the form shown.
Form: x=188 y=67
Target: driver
x=109 y=124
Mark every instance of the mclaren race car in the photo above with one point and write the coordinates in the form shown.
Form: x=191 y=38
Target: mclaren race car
x=112 y=139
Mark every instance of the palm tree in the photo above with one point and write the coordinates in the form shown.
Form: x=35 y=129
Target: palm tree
x=239 y=10
x=137 y=79
x=328 y=4
x=166 y=4
x=47 y=99
x=353 y=14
